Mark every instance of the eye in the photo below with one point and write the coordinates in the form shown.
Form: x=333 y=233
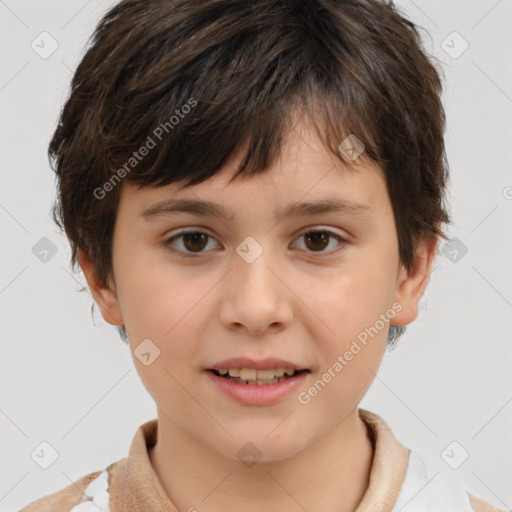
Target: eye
x=318 y=239
x=193 y=241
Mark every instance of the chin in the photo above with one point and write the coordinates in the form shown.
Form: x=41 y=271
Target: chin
x=254 y=444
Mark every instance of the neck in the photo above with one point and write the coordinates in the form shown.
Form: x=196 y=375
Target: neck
x=331 y=474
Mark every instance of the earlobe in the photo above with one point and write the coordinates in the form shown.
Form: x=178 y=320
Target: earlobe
x=411 y=285
x=105 y=297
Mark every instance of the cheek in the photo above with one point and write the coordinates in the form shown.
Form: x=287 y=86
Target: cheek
x=357 y=299
x=351 y=355
x=352 y=308
x=173 y=334
x=157 y=298
x=167 y=307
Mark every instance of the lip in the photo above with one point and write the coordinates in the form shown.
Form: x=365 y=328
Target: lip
x=258 y=394
x=262 y=364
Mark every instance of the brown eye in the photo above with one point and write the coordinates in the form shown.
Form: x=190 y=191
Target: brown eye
x=195 y=241
x=192 y=244
x=318 y=240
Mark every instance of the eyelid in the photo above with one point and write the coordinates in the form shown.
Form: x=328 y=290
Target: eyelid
x=330 y=230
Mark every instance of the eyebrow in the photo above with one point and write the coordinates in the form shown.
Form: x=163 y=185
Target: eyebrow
x=169 y=207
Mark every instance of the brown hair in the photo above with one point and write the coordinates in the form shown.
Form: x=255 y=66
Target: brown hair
x=214 y=77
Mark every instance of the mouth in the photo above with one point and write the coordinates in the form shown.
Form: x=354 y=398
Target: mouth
x=251 y=376
x=262 y=387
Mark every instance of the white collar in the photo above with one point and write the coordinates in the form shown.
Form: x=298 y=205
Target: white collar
x=427 y=490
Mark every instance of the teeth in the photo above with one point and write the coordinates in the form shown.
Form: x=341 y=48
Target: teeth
x=279 y=372
x=246 y=374
x=271 y=381
x=251 y=374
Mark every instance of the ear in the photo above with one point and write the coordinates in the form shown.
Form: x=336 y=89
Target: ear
x=412 y=284
x=102 y=294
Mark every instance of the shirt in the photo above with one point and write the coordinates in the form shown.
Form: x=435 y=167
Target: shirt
x=400 y=481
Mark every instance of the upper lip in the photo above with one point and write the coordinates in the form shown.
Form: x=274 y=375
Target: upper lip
x=262 y=364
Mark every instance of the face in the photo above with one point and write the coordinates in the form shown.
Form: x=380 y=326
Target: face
x=316 y=288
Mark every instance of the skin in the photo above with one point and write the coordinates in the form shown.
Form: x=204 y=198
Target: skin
x=298 y=300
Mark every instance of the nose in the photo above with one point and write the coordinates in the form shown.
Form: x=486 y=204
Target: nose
x=256 y=297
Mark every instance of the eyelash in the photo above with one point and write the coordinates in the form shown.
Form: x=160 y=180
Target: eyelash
x=167 y=243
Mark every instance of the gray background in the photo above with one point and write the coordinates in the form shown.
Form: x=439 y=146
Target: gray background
x=71 y=382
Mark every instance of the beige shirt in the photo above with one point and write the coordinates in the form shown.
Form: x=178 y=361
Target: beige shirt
x=396 y=482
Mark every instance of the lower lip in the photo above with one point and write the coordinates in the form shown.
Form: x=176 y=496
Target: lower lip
x=258 y=394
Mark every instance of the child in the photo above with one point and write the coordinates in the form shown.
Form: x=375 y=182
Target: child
x=299 y=144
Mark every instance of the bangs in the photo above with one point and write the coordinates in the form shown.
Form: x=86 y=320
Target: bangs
x=192 y=128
